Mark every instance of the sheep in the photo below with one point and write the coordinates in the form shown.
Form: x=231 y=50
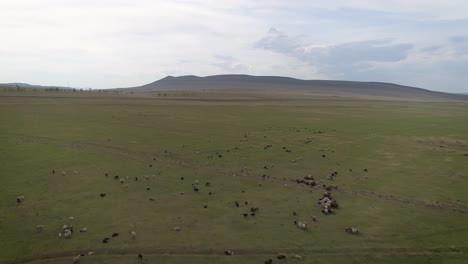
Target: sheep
x=84 y=229
x=75 y=172
x=237 y=203
x=302 y=225
x=181 y=178
x=133 y=235
x=314 y=218
x=122 y=180
x=91 y=253
x=298 y=257
x=64 y=173
x=195 y=189
x=71 y=218
x=352 y=230
x=281 y=257
x=207 y=184
x=136 y=179
x=20 y=199
x=269 y=261
x=76 y=259
x=53 y=171
x=116 y=177
x=140 y=257
x=177 y=228
x=67 y=233
x=102 y=194
x=105 y=240
x=115 y=234
x=39 y=228
x=245 y=215
x=228 y=253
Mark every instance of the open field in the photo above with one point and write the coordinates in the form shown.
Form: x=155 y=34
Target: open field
x=411 y=204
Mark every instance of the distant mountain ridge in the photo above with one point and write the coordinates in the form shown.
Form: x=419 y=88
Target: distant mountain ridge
x=30 y=86
x=275 y=83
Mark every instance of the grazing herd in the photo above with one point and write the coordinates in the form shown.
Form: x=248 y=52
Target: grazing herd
x=327 y=203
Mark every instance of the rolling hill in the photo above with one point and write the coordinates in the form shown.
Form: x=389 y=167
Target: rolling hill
x=276 y=83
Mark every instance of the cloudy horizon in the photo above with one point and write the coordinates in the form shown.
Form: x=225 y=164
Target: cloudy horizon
x=117 y=43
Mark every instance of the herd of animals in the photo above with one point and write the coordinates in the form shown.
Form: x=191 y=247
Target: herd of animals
x=327 y=203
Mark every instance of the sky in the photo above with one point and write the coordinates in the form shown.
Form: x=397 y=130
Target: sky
x=117 y=43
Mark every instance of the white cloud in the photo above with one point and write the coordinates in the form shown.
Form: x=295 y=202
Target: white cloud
x=121 y=43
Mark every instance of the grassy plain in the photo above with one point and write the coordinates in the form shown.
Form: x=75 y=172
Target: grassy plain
x=411 y=206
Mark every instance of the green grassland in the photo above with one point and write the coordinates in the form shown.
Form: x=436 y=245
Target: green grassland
x=411 y=205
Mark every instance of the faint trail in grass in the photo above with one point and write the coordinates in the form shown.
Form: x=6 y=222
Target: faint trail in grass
x=66 y=255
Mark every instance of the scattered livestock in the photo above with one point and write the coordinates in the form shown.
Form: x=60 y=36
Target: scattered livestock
x=228 y=253
x=122 y=181
x=115 y=234
x=76 y=259
x=83 y=230
x=102 y=194
x=269 y=261
x=105 y=240
x=116 y=177
x=140 y=257
x=177 y=228
x=133 y=235
x=39 y=228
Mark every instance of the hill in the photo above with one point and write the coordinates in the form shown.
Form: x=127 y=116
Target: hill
x=276 y=83
x=30 y=86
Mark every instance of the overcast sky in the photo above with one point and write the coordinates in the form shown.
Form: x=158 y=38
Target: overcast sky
x=122 y=43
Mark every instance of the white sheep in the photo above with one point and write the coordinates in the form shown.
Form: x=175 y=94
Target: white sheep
x=67 y=233
x=302 y=225
x=133 y=235
x=39 y=228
